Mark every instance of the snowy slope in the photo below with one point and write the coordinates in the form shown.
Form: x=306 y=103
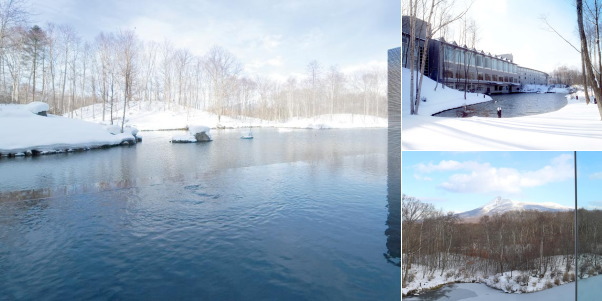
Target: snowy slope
x=441 y=99
x=147 y=116
x=499 y=205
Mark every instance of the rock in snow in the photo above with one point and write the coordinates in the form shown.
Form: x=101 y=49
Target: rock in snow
x=196 y=133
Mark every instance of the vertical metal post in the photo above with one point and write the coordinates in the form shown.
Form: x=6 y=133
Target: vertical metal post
x=576 y=225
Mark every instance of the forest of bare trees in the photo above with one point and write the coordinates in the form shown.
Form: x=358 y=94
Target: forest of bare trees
x=52 y=63
x=535 y=242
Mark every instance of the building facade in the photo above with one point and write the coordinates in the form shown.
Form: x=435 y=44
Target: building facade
x=462 y=68
x=528 y=76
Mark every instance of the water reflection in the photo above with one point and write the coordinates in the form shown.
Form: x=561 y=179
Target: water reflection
x=393 y=231
x=157 y=161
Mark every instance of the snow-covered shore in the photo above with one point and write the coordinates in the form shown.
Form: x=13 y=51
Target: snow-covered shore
x=147 y=116
x=22 y=132
x=576 y=126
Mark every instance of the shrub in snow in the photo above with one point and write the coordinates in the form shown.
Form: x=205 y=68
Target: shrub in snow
x=411 y=277
x=557 y=281
x=522 y=280
x=496 y=279
x=549 y=284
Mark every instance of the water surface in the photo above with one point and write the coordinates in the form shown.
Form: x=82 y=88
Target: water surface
x=512 y=105
x=289 y=215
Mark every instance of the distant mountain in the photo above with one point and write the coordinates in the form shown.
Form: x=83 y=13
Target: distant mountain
x=499 y=206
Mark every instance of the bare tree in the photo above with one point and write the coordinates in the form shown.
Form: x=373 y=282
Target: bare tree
x=127 y=48
x=221 y=66
x=437 y=15
x=592 y=79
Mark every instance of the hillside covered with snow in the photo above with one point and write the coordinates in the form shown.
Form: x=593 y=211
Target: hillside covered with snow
x=148 y=116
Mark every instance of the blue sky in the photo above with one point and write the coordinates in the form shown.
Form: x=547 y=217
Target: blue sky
x=461 y=181
x=274 y=38
x=514 y=26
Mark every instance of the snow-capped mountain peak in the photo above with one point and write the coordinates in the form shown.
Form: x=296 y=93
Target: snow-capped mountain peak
x=499 y=205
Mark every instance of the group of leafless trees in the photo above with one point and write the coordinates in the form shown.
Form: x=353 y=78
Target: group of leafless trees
x=566 y=76
x=535 y=242
x=437 y=15
x=52 y=63
x=588 y=21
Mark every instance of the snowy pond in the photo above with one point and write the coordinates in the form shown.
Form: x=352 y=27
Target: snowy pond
x=513 y=105
x=289 y=215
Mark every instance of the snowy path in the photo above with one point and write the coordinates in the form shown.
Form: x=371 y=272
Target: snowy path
x=576 y=126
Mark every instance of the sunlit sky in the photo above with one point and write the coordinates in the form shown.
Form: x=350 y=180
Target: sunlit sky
x=274 y=38
x=461 y=181
x=515 y=26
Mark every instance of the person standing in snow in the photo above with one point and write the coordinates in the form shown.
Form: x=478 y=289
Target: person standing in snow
x=499 y=112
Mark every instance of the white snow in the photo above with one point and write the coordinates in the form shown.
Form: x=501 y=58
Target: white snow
x=444 y=98
x=515 y=282
x=576 y=126
x=504 y=205
x=22 y=131
x=37 y=107
x=159 y=115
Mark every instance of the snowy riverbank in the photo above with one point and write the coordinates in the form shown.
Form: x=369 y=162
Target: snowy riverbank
x=577 y=126
x=147 y=116
x=23 y=132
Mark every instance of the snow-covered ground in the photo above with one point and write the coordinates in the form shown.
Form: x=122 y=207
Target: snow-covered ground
x=508 y=282
x=444 y=98
x=24 y=132
x=576 y=126
x=147 y=116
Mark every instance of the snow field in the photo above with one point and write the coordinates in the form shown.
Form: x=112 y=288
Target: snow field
x=576 y=126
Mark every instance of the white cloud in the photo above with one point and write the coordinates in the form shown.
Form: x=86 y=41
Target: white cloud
x=484 y=178
x=447 y=165
x=596 y=176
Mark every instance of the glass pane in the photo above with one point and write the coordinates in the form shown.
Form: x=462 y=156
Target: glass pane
x=488 y=226
x=589 y=218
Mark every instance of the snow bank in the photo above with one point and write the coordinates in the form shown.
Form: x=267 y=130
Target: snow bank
x=531 y=88
x=157 y=115
x=23 y=132
x=37 y=107
x=444 y=98
x=335 y=121
x=516 y=282
x=576 y=125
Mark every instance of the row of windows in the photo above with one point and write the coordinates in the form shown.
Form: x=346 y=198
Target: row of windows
x=460 y=56
x=481 y=76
